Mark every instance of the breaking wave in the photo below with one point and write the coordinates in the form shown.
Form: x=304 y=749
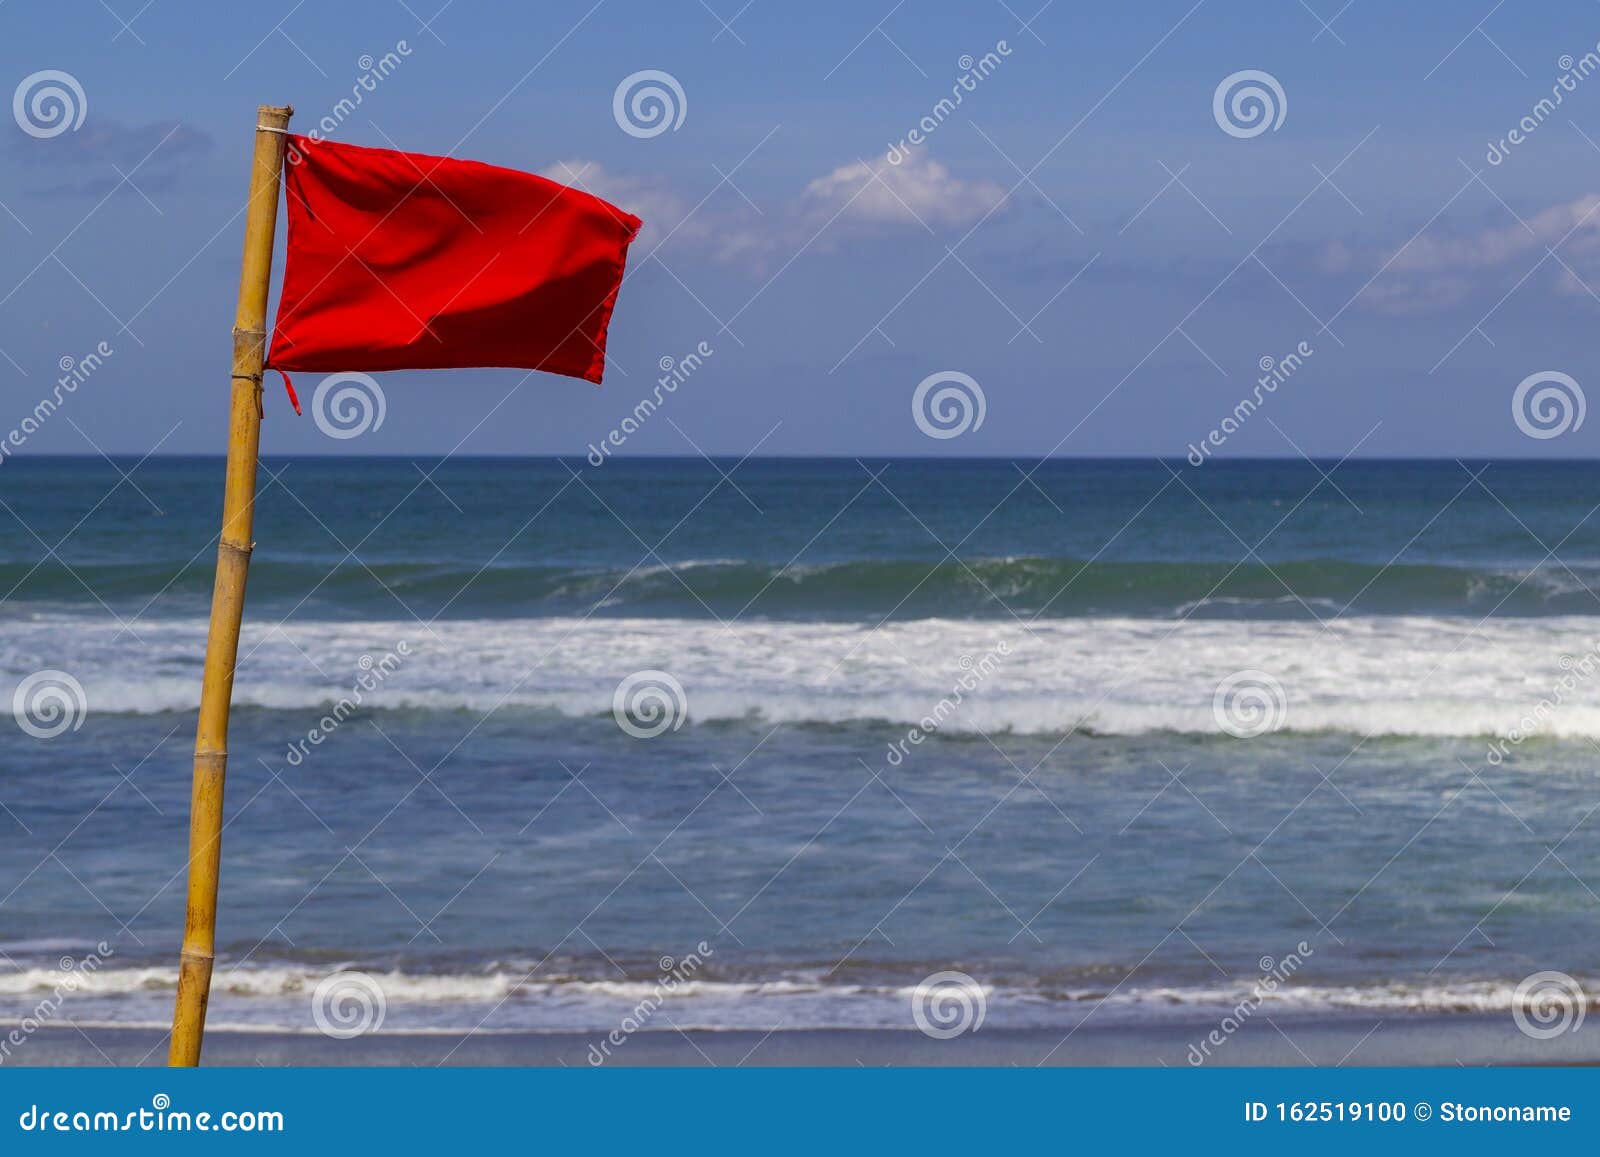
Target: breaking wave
x=1401 y=675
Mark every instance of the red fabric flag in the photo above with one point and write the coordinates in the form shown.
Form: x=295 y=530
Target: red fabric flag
x=404 y=261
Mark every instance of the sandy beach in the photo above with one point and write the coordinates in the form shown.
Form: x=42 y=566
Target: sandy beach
x=1469 y=1040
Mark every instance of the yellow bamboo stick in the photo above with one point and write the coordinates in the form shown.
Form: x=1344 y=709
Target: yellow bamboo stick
x=227 y=596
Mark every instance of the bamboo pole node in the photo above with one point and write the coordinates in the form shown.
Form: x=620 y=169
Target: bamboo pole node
x=261 y=411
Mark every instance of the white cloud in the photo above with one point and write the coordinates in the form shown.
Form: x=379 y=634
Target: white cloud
x=852 y=200
x=722 y=233
x=657 y=206
x=1436 y=272
x=1492 y=248
x=1417 y=296
x=919 y=190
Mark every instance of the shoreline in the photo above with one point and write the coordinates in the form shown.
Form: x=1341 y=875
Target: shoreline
x=1460 y=1039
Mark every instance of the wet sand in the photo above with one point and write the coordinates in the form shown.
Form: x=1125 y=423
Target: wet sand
x=1398 y=1040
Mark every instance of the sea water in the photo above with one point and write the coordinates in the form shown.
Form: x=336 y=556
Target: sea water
x=1114 y=739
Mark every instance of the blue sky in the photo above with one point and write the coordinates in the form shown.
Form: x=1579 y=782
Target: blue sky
x=1081 y=237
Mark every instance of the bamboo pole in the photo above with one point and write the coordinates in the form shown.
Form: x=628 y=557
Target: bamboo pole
x=227 y=596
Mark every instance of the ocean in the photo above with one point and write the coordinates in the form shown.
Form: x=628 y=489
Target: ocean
x=777 y=744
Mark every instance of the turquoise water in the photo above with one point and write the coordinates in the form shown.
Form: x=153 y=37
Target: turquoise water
x=1094 y=825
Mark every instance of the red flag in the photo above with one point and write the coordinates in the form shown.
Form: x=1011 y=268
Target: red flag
x=404 y=261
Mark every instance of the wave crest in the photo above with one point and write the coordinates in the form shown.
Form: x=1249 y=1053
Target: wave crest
x=1409 y=675
x=1052 y=587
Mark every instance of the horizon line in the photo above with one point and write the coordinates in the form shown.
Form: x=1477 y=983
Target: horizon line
x=1234 y=459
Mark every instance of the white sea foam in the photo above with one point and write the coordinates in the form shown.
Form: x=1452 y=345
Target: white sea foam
x=278 y=998
x=1416 y=675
